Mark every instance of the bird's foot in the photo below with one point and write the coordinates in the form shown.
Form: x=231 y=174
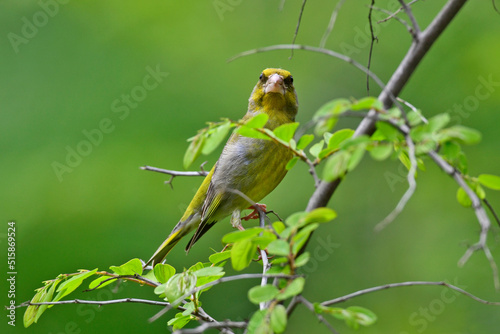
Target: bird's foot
x=255 y=213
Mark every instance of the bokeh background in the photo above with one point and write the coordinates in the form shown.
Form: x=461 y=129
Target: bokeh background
x=71 y=72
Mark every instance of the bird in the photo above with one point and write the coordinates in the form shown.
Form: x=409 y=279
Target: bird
x=251 y=166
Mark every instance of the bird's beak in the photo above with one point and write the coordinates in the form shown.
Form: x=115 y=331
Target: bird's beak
x=275 y=84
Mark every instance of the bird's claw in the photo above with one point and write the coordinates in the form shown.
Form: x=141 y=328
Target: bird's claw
x=255 y=213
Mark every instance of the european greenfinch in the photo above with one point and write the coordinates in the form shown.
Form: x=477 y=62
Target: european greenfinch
x=251 y=166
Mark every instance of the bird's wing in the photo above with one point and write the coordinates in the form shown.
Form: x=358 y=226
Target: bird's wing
x=212 y=202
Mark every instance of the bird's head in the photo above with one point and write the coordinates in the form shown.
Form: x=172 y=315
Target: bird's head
x=274 y=92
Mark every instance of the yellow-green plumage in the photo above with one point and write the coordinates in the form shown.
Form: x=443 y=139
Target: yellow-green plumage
x=252 y=166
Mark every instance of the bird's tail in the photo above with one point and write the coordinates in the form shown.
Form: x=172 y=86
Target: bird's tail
x=165 y=247
x=180 y=230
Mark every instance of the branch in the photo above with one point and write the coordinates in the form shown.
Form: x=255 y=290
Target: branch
x=310 y=306
x=209 y=325
x=373 y=39
x=393 y=15
x=481 y=215
x=415 y=31
x=174 y=173
x=412 y=185
x=402 y=284
x=331 y=24
x=220 y=280
x=99 y=302
x=298 y=24
x=415 y=54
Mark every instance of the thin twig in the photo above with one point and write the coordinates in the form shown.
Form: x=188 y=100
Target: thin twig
x=412 y=185
x=298 y=25
x=310 y=306
x=396 y=12
x=485 y=201
x=495 y=6
x=415 y=31
x=331 y=24
x=175 y=172
x=481 y=215
x=403 y=284
x=397 y=18
x=313 y=49
x=370 y=52
x=229 y=279
x=100 y=302
x=210 y=325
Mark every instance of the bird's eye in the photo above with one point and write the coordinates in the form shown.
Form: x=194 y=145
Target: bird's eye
x=290 y=79
x=261 y=76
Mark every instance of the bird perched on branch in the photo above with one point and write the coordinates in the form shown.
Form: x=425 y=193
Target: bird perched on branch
x=251 y=166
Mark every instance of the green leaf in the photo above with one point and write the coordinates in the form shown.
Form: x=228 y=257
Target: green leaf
x=336 y=166
x=339 y=137
x=209 y=271
x=260 y=294
x=47 y=297
x=367 y=103
x=242 y=254
x=72 y=284
x=251 y=133
x=463 y=198
x=414 y=117
x=179 y=285
x=450 y=150
x=279 y=226
x=257 y=319
x=291 y=163
x=219 y=257
x=302 y=259
x=132 y=267
x=163 y=272
x=258 y=121
x=278 y=319
x=32 y=310
x=301 y=237
x=320 y=215
x=194 y=150
x=95 y=283
x=333 y=107
x=286 y=131
x=362 y=316
x=389 y=132
x=214 y=137
x=241 y=235
x=405 y=160
x=356 y=157
x=180 y=320
x=294 y=288
x=265 y=239
x=360 y=141
x=295 y=219
x=316 y=148
x=381 y=151
x=425 y=146
x=304 y=141
x=198 y=266
x=461 y=133
x=489 y=181
x=438 y=122
x=279 y=247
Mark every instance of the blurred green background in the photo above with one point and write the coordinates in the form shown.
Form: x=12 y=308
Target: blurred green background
x=68 y=75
